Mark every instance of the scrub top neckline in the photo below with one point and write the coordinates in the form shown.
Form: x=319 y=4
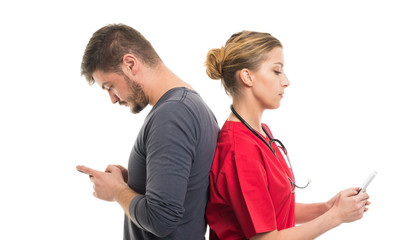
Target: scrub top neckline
x=242 y=124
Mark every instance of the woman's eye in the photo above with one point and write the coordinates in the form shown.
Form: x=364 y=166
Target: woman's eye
x=277 y=72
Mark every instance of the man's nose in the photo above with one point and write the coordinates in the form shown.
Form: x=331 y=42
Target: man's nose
x=114 y=98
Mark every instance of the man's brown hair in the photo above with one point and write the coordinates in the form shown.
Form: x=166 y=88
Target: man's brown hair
x=109 y=44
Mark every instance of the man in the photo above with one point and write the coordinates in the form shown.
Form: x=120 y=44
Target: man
x=164 y=190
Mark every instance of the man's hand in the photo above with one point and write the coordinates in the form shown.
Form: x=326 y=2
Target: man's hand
x=124 y=172
x=107 y=185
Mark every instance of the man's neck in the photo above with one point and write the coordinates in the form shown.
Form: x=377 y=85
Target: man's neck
x=162 y=79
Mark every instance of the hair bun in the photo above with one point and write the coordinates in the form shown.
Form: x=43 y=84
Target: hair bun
x=214 y=63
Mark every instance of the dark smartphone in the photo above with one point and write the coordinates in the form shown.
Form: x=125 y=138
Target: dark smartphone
x=85 y=173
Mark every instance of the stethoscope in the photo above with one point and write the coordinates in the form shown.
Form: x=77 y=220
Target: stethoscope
x=269 y=145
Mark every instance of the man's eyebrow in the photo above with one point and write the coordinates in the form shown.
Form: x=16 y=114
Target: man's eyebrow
x=104 y=85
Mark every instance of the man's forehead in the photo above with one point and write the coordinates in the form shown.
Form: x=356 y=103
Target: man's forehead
x=99 y=77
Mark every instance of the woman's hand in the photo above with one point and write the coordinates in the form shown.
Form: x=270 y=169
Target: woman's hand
x=348 y=205
x=329 y=204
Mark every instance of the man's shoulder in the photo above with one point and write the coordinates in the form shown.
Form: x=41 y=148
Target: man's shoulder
x=182 y=106
x=178 y=104
x=182 y=99
x=176 y=98
x=178 y=94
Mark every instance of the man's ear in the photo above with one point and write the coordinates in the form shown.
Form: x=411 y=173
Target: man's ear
x=130 y=64
x=246 y=77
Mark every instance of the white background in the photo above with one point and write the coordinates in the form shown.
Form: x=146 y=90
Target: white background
x=351 y=107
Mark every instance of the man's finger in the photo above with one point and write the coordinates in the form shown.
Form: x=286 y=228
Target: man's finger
x=87 y=170
x=112 y=168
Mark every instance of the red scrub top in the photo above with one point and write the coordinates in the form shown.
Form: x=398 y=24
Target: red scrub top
x=249 y=188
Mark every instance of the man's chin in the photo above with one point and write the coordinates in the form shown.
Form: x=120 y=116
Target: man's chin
x=136 y=109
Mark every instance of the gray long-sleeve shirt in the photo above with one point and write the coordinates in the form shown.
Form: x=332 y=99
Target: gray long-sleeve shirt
x=169 y=167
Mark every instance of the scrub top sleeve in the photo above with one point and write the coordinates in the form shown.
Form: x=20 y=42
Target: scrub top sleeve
x=249 y=193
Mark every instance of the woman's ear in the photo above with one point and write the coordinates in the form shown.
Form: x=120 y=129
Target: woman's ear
x=130 y=63
x=246 y=77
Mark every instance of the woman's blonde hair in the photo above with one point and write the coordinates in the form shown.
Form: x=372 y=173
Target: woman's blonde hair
x=246 y=49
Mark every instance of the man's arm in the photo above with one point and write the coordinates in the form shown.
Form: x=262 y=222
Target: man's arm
x=170 y=144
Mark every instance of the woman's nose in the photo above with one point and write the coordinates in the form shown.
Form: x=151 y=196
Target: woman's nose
x=284 y=81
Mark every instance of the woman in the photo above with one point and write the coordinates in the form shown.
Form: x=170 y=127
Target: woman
x=251 y=181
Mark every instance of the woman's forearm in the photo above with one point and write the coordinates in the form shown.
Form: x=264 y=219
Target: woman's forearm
x=310 y=230
x=347 y=206
x=313 y=228
x=307 y=212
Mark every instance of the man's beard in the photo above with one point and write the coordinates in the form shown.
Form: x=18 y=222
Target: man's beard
x=137 y=99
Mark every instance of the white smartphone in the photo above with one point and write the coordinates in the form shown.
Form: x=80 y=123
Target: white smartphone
x=367 y=182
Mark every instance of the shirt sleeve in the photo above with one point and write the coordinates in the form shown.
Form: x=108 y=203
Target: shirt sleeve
x=246 y=187
x=170 y=147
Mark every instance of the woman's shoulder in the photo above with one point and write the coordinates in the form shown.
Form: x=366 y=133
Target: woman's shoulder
x=234 y=132
x=235 y=138
x=237 y=131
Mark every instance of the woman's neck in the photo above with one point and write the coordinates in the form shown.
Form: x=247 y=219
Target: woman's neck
x=250 y=113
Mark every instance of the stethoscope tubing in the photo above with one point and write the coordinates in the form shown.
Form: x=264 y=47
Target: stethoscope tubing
x=269 y=145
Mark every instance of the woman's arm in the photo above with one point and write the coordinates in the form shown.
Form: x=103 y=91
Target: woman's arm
x=348 y=207
x=310 y=230
x=307 y=212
